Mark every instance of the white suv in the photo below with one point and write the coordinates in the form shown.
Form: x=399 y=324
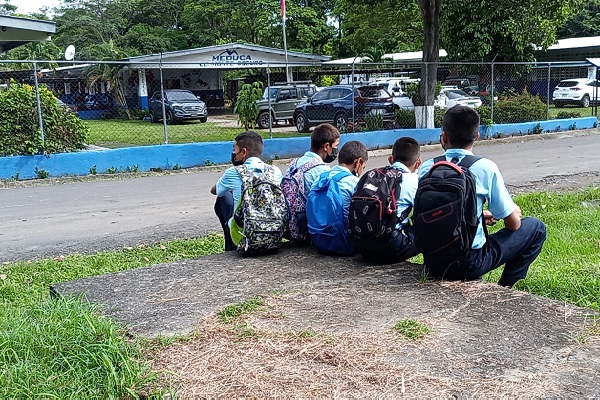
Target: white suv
x=581 y=91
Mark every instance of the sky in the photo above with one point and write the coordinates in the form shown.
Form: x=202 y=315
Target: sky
x=28 y=6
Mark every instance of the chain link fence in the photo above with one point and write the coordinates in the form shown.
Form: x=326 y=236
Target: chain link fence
x=130 y=104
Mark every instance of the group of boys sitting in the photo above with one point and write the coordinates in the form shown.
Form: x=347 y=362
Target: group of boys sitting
x=389 y=214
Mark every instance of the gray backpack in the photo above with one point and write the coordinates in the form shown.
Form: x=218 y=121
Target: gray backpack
x=262 y=212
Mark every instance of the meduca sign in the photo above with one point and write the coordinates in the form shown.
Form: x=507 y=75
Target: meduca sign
x=232 y=58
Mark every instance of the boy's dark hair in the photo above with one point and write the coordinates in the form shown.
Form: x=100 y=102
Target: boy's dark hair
x=351 y=151
x=324 y=133
x=461 y=125
x=251 y=141
x=406 y=150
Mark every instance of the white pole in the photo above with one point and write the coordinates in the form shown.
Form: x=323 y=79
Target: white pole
x=288 y=76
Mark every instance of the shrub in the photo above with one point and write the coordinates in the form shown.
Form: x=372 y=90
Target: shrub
x=438 y=116
x=485 y=115
x=405 y=119
x=373 y=122
x=568 y=114
x=520 y=108
x=19 y=124
x=246 y=106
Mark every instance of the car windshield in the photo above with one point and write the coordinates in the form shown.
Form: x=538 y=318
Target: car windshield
x=456 y=94
x=180 y=96
x=373 y=92
x=567 y=84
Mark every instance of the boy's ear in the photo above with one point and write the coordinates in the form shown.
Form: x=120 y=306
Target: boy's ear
x=390 y=159
x=477 y=136
x=418 y=163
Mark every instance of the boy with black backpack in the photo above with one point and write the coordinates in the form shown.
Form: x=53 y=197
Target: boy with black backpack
x=302 y=173
x=450 y=222
x=329 y=199
x=379 y=226
x=250 y=204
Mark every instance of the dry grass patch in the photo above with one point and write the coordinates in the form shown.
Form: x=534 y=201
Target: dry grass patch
x=278 y=361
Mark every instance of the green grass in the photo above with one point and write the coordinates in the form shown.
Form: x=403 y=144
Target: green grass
x=585 y=112
x=124 y=133
x=568 y=268
x=233 y=311
x=412 y=329
x=65 y=348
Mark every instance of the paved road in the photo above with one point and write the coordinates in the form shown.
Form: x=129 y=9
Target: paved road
x=42 y=221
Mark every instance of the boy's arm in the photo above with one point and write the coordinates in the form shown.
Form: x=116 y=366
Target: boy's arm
x=213 y=190
x=513 y=221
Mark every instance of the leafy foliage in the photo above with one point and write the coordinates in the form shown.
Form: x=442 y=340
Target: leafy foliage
x=19 y=124
x=585 y=23
x=246 y=106
x=505 y=30
x=568 y=114
x=521 y=108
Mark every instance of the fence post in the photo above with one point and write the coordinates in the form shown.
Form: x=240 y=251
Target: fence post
x=353 y=97
x=269 y=100
x=39 y=103
x=548 y=95
x=492 y=96
x=162 y=98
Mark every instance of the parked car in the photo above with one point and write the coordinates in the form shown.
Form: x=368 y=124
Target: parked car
x=284 y=99
x=99 y=101
x=399 y=98
x=334 y=105
x=448 y=98
x=581 y=92
x=179 y=105
x=466 y=83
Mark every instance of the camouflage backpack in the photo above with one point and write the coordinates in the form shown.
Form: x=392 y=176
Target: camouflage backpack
x=262 y=212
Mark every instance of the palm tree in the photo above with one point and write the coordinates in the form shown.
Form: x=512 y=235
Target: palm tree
x=108 y=72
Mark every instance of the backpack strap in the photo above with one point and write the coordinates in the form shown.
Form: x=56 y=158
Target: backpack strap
x=438 y=159
x=468 y=160
x=245 y=175
x=340 y=175
x=310 y=164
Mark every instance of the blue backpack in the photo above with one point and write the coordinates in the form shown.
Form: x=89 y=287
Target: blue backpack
x=325 y=214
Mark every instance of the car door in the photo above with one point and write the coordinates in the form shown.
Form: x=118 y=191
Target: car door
x=286 y=103
x=155 y=105
x=314 y=109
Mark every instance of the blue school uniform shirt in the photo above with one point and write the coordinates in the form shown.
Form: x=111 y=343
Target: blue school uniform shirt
x=489 y=185
x=347 y=187
x=231 y=180
x=410 y=182
x=312 y=175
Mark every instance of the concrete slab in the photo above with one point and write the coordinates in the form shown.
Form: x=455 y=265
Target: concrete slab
x=479 y=329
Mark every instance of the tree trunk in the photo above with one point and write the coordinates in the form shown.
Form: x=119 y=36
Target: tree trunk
x=430 y=13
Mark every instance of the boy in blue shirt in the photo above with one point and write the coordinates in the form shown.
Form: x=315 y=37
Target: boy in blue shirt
x=323 y=222
x=517 y=244
x=247 y=150
x=405 y=157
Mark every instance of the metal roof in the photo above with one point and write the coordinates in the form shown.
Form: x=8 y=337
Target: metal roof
x=573 y=43
x=16 y=31
x=595 y=61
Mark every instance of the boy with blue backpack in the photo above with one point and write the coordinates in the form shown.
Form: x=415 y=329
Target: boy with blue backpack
x=250 y=204
x=450 y=222
x=302 y=173
x=329 y=199
x=379 y=224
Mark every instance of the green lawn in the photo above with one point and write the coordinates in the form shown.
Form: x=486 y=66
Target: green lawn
x=584 y=112
x=53 y=348
x=124 y=133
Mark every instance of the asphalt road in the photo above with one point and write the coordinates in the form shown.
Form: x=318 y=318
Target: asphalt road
x=85 y=217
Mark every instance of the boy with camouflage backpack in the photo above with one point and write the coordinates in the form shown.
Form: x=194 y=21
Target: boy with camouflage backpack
x=251 y=189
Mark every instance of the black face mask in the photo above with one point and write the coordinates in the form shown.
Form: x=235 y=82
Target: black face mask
x=234 y=161
x=331 y=157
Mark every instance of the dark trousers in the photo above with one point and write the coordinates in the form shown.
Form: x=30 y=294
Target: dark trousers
x=224 y=211
x=516 y=249
x=400 y=248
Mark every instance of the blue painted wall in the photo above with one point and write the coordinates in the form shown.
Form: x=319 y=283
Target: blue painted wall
x=144 y=158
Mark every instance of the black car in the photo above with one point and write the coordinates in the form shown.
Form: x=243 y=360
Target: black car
x=179 y=105
x=338 y=104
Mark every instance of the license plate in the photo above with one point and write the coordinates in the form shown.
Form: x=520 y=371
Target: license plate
x=377 y=111
x=564 y=94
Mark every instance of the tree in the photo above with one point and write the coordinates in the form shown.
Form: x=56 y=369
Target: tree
x=6 y=8
x=506 y=30
x=585 y=23
x=109 y=72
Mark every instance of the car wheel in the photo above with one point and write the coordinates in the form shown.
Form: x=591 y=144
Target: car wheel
x=585 y=101
x=170 y=118
x=153 y=118
x=341 y=122
x=263 y=120
x=203 y=119
x=301 y=123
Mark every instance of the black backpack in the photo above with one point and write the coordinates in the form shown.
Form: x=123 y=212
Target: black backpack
x=445 y=210
x=373 y=217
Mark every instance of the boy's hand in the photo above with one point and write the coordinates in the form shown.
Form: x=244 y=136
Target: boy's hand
x=489 y=218
x=213 y=189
